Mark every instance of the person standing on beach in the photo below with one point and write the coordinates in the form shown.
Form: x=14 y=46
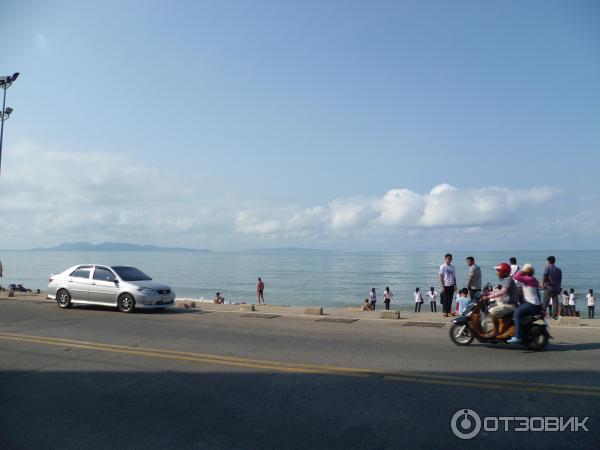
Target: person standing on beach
x=514 y=267
x=448 y=282
x=572 y=302
x=591 y=301
x=473 y=277
x=552 y=284
x=432 y=294
x=373 y=298
x=0 y=273
x=418 y=300
x=260 y=289
x=565 y=304
x=387 y=297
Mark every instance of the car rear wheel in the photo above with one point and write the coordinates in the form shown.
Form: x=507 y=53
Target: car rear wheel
x=126 y=303
x=63 y=299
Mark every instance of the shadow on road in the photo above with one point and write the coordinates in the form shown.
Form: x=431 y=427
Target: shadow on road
x=552 y=347
x=247 y=410
x=169 y=311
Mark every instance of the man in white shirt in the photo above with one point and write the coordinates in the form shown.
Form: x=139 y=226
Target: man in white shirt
x=514 y=267
x=448 y=283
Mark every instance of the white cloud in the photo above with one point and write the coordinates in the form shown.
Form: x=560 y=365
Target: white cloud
x=443 y=206
x=446 y=205
x=54 y=196
x=400 y=207
x=347 y=213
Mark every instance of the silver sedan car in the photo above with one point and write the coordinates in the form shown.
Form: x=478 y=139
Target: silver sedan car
x=125 y=287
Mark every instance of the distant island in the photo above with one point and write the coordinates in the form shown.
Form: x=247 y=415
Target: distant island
x=113 y=247
x=289 y=249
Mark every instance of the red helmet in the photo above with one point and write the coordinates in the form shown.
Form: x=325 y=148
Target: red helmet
x=503 y=269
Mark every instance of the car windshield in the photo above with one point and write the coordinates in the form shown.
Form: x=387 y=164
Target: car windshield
x=130 y=273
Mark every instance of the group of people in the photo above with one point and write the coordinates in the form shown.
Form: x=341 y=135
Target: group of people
x=567 y=305
x=260 y=293
x=518 y=292
x=371 y=302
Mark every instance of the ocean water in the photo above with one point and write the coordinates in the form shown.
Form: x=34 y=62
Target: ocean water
x=299 y=277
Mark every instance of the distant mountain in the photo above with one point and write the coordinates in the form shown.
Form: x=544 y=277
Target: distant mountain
x=289 y=249
x=114 y=247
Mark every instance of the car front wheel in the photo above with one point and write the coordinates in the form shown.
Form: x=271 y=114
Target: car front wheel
x=126 y=303
x=63 y=299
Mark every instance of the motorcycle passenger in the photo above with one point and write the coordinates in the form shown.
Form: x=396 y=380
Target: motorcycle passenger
x=532 y=304
x=506 y=298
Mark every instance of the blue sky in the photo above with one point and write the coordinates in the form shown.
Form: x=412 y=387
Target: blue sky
x=315 y=124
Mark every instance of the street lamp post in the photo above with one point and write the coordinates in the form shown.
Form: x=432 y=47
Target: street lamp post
x=5 y=83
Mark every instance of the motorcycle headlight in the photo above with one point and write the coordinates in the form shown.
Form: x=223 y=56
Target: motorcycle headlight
x=146 y=291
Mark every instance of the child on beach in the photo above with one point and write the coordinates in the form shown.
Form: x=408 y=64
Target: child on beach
x=366 y=306
x=565 y=303
x=462 y=301
x=387 y=297
x=591 y=301
x=373 y=298
x=418 y=300
x=572 y=302
x=218 y=299
x=432 y=294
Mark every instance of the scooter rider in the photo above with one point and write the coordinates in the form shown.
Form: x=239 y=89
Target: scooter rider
x=506 y=297
x=532 y=304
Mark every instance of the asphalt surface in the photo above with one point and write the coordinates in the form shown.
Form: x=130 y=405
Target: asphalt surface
x=95 y=378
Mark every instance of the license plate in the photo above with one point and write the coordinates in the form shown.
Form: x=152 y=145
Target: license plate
x=164 y=299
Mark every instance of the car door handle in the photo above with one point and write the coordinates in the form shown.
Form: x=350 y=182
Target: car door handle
x=94 y=283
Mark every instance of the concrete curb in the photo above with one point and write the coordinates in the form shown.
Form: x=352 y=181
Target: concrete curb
x=569 y=321
x=299 y=312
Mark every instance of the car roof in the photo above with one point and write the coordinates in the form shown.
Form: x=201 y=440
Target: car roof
x=90 y=266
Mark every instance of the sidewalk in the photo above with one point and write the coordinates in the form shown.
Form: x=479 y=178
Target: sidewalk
x=349 y=312
x=342 y=313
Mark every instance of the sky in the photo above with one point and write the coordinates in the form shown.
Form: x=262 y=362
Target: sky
x=400 y=125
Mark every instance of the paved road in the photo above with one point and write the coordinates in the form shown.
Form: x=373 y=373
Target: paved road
x=94 y=378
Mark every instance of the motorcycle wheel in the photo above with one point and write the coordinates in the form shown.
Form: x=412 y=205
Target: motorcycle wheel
x=461 y=334
x=537 y=339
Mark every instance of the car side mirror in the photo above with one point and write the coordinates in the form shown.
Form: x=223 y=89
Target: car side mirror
x=116 y=281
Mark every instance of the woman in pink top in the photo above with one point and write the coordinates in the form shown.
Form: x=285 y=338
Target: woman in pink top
x=532 y=304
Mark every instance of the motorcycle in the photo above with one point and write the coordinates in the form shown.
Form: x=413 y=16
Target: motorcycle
x=471 y=325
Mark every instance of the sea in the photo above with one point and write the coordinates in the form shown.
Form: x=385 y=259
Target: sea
x=297 y=277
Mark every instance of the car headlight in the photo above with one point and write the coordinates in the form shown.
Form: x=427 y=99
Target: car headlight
x=146 y=291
